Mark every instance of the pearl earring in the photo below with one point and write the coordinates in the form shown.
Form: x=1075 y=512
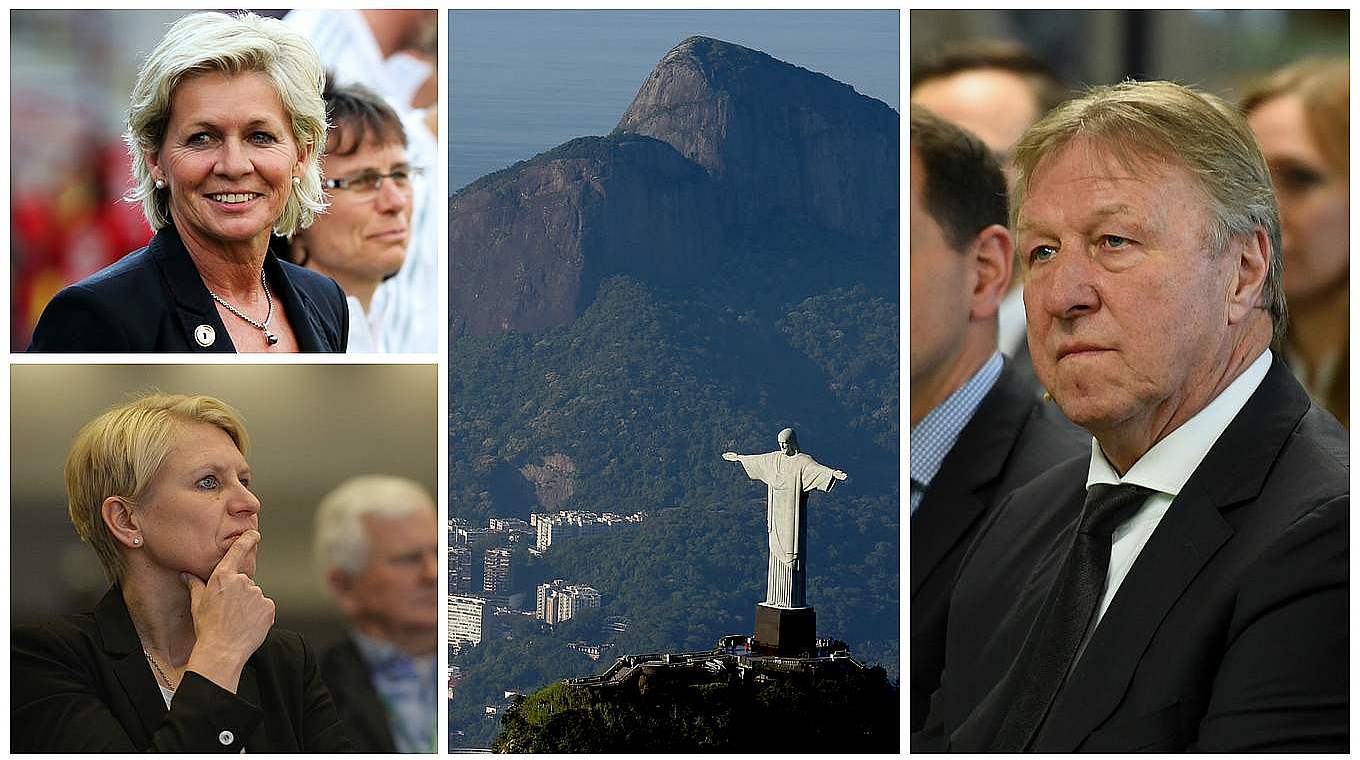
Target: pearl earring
x=297 y=180
x=160 y=184
x=136 y=542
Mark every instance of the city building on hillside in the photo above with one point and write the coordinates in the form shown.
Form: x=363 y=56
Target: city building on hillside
x=558 y=602
x=468 y=619
x=460 y=570
x=499 y=572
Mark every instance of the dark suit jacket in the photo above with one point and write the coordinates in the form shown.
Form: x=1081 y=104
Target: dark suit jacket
x=82 y=684
x=365 y=718
x=153 y=299
x=1013 y=437
x=1228 y=634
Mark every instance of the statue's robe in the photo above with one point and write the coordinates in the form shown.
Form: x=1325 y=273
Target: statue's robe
x=790 y=480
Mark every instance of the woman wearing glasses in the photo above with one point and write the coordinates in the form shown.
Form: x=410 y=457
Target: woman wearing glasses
x=225 y=129
x=361 y=240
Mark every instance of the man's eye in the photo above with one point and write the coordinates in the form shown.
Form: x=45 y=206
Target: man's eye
x=1114 y=241
x=1042 y=253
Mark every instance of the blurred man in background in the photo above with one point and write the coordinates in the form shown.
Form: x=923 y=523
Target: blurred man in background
x=995 y=90
x=977 y=432
x=377 y=545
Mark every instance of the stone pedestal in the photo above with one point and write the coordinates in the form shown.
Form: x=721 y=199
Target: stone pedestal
x=785 y=632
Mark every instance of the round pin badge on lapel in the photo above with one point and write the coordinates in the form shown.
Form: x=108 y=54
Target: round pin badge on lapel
x=205 y=335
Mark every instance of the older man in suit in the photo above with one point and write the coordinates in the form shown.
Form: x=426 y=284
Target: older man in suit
x=1185 y=586
x=977 y=431
x=377 y=545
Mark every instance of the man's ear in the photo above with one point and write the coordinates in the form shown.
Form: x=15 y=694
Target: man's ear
x=1252 y=256
x=341 y=586
x=991 y=254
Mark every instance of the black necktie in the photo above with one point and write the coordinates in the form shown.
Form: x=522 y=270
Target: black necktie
x=1063 y=622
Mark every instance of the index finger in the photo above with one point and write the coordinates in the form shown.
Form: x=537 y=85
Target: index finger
x=240 y=557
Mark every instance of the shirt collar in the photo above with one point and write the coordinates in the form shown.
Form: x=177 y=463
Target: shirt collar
x=1169 y=464
x=935 y=434
x=387 y=660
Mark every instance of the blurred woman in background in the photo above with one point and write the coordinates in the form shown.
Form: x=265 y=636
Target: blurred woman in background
x=362 y=238
x=1301 y=117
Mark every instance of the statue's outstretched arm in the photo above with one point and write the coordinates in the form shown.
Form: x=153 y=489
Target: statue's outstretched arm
x=731 y=456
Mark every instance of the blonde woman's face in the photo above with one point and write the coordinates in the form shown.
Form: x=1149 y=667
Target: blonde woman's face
x=198 y=503
x=228 y=159
x=1314 y=200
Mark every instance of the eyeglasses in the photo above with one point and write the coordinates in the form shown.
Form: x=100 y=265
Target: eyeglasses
x=370 y=182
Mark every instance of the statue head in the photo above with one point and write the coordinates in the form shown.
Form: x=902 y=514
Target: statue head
x=788 y=441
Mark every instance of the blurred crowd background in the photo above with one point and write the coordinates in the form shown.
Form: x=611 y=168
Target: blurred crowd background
x=70 y=75
x=995 y=72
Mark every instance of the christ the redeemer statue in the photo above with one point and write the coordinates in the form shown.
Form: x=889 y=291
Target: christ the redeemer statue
x=790 y=475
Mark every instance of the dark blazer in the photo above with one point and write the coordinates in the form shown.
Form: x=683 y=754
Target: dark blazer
x=1013 y=437
x=1228 y=634
x=82 y=684
x=153 y=299
x=365 y=718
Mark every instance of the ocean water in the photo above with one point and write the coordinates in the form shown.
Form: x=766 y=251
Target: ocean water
x=522 y=82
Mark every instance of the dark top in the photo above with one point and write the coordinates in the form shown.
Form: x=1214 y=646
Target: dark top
x=81 y=683
x=153 y=301
x=1229 y=633
x=1013 y=437
x=361 y=710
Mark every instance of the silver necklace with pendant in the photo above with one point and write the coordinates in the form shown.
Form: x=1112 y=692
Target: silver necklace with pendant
x=268 y=315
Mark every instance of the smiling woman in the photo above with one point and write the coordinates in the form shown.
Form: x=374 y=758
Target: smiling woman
x=225 y=128
x=181 y=654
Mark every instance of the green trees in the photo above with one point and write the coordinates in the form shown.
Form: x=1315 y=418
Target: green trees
x=642 y=393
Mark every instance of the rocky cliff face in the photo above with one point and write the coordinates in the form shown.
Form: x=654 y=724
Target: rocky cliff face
x=530 y=244
x=725 y=150
x=786 y=142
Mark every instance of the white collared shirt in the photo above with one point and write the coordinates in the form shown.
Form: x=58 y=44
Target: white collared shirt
x=1165 y=468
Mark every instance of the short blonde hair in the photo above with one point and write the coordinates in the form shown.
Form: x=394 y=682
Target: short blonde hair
x=120 y=451
x=1324 y=86
x=339 y=539
x=1163 y=120
x=216 y=42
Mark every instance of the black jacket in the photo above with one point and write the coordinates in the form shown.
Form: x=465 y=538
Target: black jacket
x=153 y=299
x=346 y=676
x=1013 y=437
x=1228 y=634
x=82 y=684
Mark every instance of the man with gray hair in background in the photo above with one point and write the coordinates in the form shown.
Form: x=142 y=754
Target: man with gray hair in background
x=377 y=547
x=1185 y=586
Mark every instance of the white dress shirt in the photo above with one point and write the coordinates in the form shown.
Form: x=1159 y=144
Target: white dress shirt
x=1165 y=468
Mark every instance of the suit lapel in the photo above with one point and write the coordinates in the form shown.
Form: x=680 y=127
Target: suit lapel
x=124 y=651
x=189 y=297
x=952 y=503
x=1192 y=531
x=302 y=313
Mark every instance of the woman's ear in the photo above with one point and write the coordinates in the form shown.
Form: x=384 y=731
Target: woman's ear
x=123 y=525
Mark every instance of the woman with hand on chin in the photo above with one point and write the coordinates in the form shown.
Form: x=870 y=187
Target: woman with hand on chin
x=180 y=655
x=225 y=129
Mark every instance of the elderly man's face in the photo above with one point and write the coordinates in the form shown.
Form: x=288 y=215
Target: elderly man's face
x=1127 y=309
x=398 y=590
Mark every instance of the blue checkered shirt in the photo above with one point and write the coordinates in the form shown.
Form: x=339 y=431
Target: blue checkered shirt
x=934 y=436
x=407 y=687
